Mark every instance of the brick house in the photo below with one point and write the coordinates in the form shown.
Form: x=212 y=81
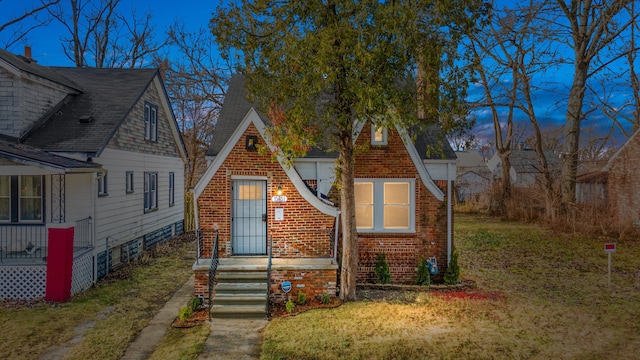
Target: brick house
x=622 y=186
x=241 y=196
x=97 y=151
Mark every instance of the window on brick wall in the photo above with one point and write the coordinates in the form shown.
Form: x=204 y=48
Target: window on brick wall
x=385 y=205
x=378 y=135
x=150 y=122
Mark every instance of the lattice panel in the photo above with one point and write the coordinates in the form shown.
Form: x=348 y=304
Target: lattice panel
x=82 y=277
x=22 y=282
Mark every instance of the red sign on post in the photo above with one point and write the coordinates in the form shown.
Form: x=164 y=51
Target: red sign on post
x=610 y=247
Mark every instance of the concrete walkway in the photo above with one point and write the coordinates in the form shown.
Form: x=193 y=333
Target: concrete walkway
x=151 y=335
x=228 y=339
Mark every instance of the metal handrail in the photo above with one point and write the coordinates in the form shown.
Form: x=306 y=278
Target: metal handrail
x=213 y=268
x=269 y=272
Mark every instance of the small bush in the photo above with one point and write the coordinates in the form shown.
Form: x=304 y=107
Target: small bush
x=290 y=306
x=185 y=313
x=382 y=269
x=325 y=298
x=452 y=274
x=302 y=298
x=424 y=277
x=194 y=303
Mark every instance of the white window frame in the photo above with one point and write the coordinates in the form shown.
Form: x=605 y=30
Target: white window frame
x=129 y=182
x=8 y=197
x=150 y=122
x=374 y=131
x=150 y=202
x=41 y=197
x=172 y=192
x=378 y=206
x=103 y=188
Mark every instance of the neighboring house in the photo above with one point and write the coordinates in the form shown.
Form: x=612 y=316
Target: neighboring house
x=473 y=177
x=623 y=187
x=93 y=150
x=592 y=187
x=525 y=168
x=403 y=205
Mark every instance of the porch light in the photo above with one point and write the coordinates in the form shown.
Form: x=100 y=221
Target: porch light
x=279 y=191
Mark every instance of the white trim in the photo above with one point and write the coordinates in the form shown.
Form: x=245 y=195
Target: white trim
x=378 y=205
x=252 y=117
x=382 y=142
x=248 y=177
x=417 y=162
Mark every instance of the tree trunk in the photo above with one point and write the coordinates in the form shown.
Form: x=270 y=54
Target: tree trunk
x=572 y=136
x=349 y=270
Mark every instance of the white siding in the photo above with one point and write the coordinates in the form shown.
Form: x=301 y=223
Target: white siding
x=78 y=196
x=120 y=216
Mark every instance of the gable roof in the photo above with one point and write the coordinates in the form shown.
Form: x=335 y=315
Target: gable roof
x=108 y=96
x=30 y=66
x=429 y=142
x=526 y=161
x=613 y=158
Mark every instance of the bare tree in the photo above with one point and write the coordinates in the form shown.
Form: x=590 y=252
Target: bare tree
x=16 y=28
x=99 y=35
x=196 y=86
x=590 y=28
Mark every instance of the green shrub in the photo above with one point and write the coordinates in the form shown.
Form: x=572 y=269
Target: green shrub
x=452 y=274
x=424 y=277
x=185 y=313
x=302 y=298
x=290 y=306
x=194 y=303
x=325 y=298
x=382 y=269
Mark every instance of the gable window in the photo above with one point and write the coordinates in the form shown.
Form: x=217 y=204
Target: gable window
x=150 y=122
x=385 y=205
x=150 y=191
x=102 y=185
x=378 y=135
x=129 y=182
x=21 y=198
x=172 y=194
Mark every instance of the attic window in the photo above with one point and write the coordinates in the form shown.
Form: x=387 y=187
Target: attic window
x=378 y=135
x=250 y=142
x=85 y=119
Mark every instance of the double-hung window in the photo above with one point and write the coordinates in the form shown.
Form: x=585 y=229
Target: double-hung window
x=21 y=199
x=385 y=205
x=150 y=122
x=102 y=185
x=129 y=182
x=150 y=191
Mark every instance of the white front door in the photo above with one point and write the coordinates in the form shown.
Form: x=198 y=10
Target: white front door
x=249 y=217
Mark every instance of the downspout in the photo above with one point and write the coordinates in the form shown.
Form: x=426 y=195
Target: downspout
x=196 y=224
x=449 y=215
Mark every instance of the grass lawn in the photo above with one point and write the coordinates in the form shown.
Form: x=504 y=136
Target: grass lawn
x=553 y=301
x=114 y=311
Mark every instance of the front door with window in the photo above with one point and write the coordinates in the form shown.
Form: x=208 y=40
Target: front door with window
x=249 y=217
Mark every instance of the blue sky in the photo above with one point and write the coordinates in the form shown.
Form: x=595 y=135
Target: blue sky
x=45 y=42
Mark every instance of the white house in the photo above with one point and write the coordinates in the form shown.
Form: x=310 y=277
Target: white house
x=96 y=150
x=525 y=167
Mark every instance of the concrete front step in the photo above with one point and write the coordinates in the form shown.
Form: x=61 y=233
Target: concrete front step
x=239 y=311
x=242 y=277
x=243 y=299
x=241 y=288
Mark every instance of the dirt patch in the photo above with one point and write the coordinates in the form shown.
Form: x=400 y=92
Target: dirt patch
x=280 y=310
x=197 y=317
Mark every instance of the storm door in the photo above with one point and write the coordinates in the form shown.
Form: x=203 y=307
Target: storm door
x=249 y=217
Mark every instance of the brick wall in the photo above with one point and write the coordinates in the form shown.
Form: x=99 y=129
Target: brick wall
x=623 y=186
x=313 y=283
x=130 y=135
x=402 y=250
x=305 y=231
